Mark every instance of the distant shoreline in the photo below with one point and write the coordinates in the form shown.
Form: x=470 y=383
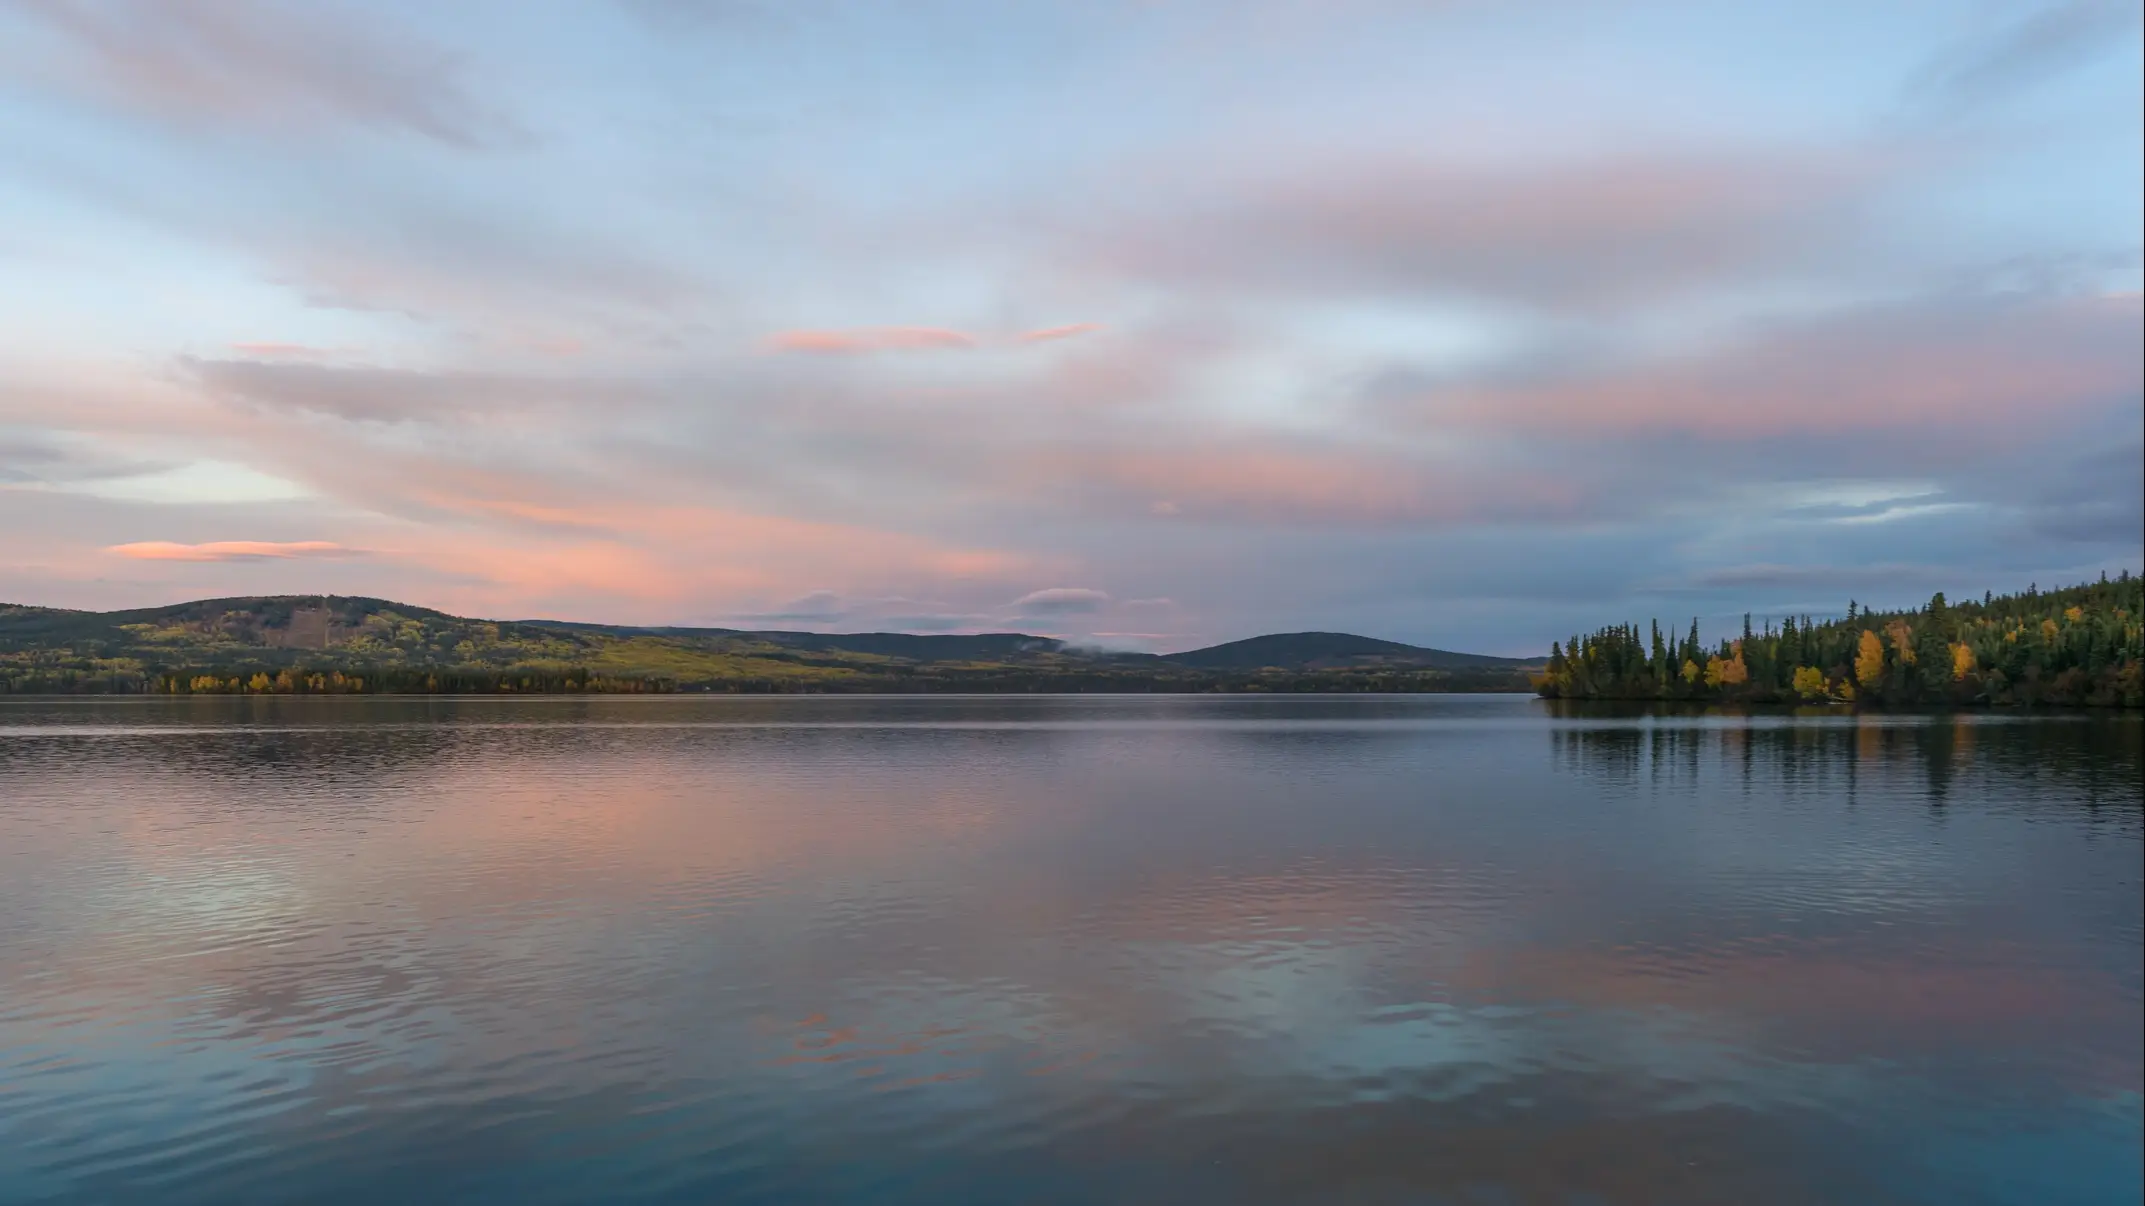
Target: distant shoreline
x=1581 y=708
x=1520 y=688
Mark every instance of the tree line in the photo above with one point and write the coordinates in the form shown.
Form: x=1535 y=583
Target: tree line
x=2080 y=645
x=569 y=680
x=300 y=680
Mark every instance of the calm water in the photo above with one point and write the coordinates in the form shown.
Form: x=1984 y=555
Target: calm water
x=1059 y=950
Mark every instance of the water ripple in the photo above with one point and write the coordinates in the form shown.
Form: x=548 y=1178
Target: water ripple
x=1049 y=950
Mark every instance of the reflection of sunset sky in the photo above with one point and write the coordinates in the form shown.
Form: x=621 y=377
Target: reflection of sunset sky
x=1075 y=932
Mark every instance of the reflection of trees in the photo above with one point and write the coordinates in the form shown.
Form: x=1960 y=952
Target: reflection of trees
x=2095 y=762
x=294 y=745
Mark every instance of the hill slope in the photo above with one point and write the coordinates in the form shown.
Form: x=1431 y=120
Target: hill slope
x=1334 y=650
x=314 y=644
x=984 y=646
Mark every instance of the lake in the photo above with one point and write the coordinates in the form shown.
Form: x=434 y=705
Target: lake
x=1428 y=949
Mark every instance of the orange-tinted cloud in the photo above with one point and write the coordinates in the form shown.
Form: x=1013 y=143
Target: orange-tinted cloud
x=1070 y=330
x=282 y=351
x=233 y=550
x=532 y=513
x=857 y=340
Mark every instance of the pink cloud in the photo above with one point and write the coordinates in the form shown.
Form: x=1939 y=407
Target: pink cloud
x=1265 y=481
x=577 y=535
x=532 y=513
x=554 y=345
x=1068 y=331
x=283 y=351
x=233 y=550
x=1972 y=371
x=617 y=558
x=272 y=65
x=1578 y=233
x=857 y=340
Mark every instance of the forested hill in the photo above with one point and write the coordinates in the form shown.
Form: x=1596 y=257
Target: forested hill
x=1335 y=650
x=2081 y=645
x=334 y=645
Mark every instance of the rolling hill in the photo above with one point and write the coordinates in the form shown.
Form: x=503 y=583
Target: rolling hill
x=982 y=646
x=1333 y=651
x=331 y=644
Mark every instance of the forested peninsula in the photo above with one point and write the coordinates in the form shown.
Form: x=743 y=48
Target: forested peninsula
x=2078 y=646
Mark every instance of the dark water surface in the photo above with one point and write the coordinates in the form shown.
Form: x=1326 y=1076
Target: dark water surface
x=1060 y=950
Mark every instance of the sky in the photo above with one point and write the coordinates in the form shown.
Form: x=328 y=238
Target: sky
x=1146 y=323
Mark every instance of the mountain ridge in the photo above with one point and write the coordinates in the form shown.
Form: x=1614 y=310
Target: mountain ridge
x=235 y=643
x=1332 y=650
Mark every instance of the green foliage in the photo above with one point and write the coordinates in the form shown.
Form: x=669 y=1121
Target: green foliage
x=2081 y=645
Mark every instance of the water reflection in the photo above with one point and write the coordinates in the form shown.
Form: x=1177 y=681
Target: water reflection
x=1064 y=950
x=2093 y=761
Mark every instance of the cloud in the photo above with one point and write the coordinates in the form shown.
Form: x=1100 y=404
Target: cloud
x=285 y=351
x=1377 y=357
x=2098 y=498
x=1834 y=578
x=1061 y=601
x=234 y=550
x=383 y=395
x=484 y=267
x=40 y=460
x=1070 y=330
x=247 y=63
x=1577 y=234
x=871 y=339
x=2030 y=50
x=1968 y=370
x=857 y=340
x=819 y=607
x=1265 y=479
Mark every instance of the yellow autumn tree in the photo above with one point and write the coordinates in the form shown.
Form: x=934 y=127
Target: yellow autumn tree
x=1962 y=660
x=1869 y=659
x=1690 y=671
x=1902 y=640
x=1735 y=671
x=1716 y=671
x=1809 y=682
x=259 y=682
